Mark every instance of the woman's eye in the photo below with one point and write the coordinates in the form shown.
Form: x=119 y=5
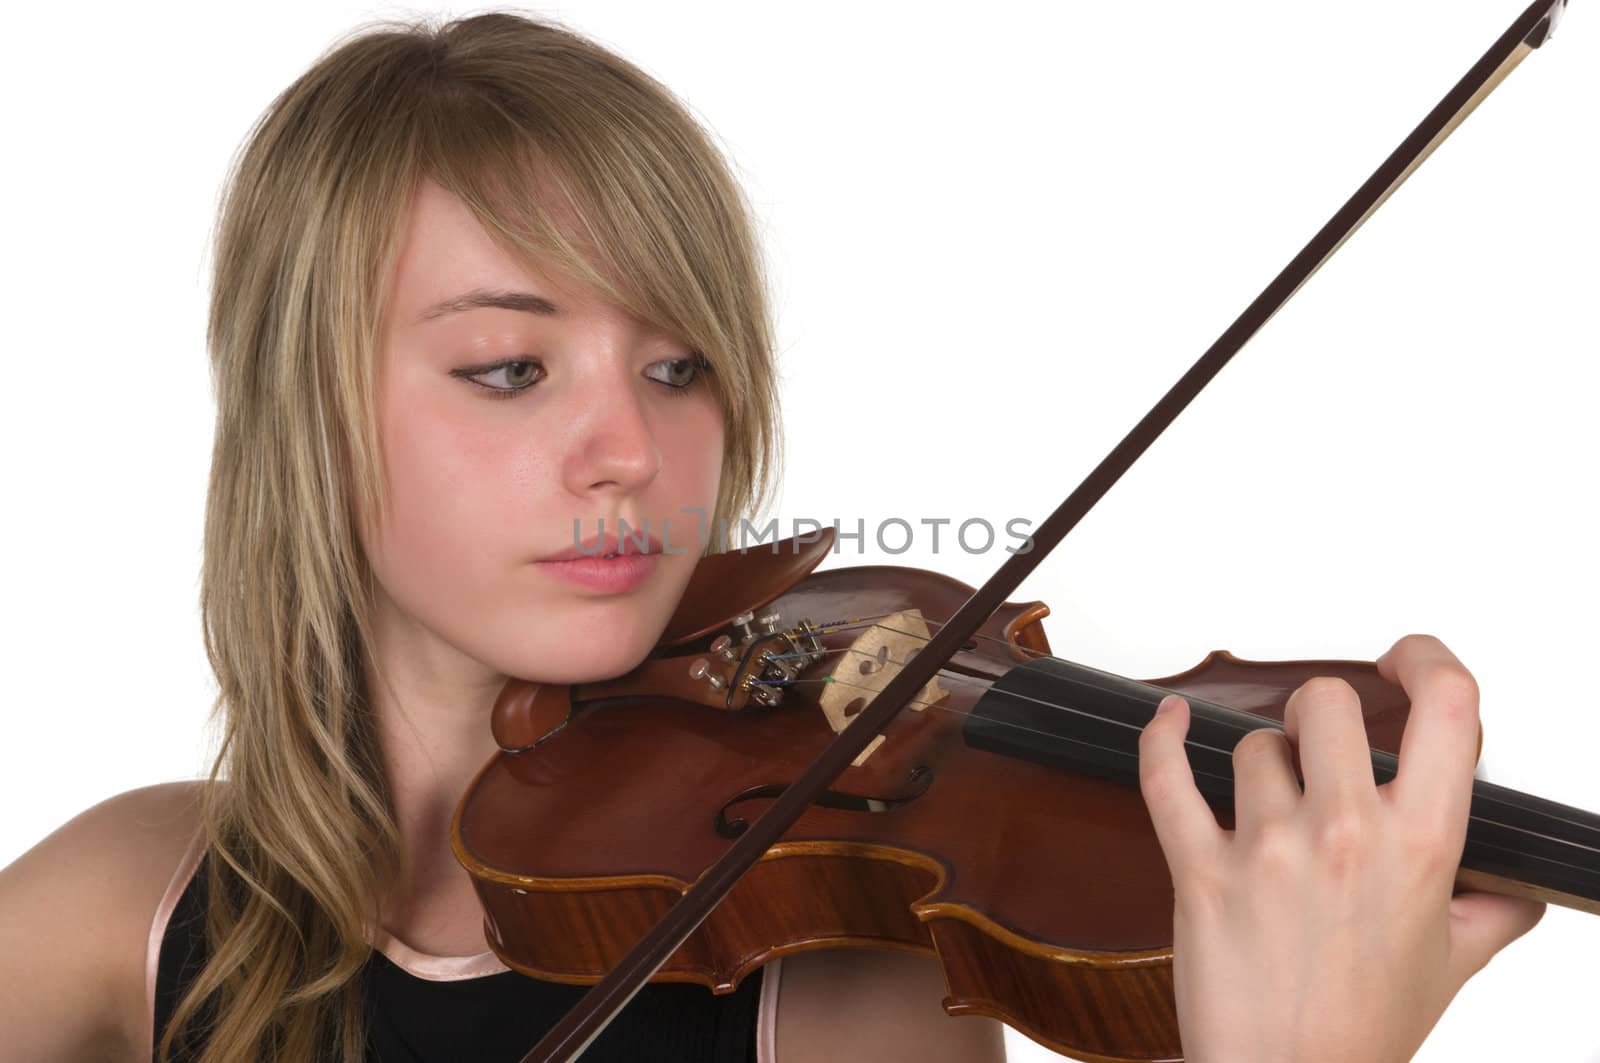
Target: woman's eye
x=506 y=379
x=679 y=373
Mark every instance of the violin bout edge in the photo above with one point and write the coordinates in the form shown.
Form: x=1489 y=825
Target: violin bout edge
x=1118 y=1006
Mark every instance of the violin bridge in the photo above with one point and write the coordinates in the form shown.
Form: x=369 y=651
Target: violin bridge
x=872 y=660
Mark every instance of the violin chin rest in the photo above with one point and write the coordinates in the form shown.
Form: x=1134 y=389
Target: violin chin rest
x=527 y=713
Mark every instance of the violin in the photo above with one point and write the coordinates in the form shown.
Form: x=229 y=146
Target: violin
x=885 y=757
x=995 y=824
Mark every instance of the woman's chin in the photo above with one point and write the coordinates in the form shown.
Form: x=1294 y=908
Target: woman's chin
x=582 y=640
x=580 y=661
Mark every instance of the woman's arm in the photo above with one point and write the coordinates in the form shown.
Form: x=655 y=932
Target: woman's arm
x=1324 y=928
x=875 y=1005
x=75 y=914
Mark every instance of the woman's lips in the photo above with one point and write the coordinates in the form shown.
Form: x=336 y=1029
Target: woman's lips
x=610 y=575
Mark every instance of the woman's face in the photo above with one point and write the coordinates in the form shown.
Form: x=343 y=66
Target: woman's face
x=500 y=427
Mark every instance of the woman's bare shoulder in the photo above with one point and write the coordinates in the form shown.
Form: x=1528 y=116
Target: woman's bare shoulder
x=75 y=911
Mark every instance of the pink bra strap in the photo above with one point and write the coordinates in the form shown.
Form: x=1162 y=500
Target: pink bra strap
x=767 y=1014
x=158 y=925
x=437 y=968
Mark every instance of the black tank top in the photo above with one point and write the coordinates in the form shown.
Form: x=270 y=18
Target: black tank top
x=495 y=1018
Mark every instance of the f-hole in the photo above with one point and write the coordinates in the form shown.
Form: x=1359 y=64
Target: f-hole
x=731 y=826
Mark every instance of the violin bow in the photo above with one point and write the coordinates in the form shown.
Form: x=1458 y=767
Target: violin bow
x=600 y=1004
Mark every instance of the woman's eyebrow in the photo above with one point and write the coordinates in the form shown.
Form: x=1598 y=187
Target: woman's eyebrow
x=482 y=297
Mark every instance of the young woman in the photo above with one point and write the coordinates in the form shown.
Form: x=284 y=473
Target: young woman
x=473 y=284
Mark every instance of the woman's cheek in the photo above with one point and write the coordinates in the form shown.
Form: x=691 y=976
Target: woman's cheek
x=694 y=466
x=442 y=520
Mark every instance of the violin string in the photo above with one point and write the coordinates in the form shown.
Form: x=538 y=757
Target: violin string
x=1505 y=806
x=1007 y=724
x=867 y=622
x=872 y=620
x=1188 y=742
x=958 y=677
x=963 y=678
x=856 y=623
x=962 y=713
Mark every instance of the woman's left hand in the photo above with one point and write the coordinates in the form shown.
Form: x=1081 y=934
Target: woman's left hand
x=1323 y=927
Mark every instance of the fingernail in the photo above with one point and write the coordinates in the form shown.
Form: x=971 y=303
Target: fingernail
x=1166 y=704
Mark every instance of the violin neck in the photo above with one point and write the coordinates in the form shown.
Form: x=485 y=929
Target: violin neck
x=1080 y=719
x=1525 y=846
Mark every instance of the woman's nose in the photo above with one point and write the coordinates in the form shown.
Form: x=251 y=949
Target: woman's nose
x=615 y=445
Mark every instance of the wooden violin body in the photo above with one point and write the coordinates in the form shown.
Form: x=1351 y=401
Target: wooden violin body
x=1043 y=892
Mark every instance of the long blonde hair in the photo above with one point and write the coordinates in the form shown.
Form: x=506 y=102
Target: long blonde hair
x=566 y=154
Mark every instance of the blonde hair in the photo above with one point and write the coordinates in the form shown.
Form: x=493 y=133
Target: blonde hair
x=566 y=154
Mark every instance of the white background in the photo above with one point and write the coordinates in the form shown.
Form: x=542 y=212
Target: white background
x=997 y=234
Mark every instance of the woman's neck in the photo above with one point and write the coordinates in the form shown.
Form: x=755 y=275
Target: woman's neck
x=432 y=705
